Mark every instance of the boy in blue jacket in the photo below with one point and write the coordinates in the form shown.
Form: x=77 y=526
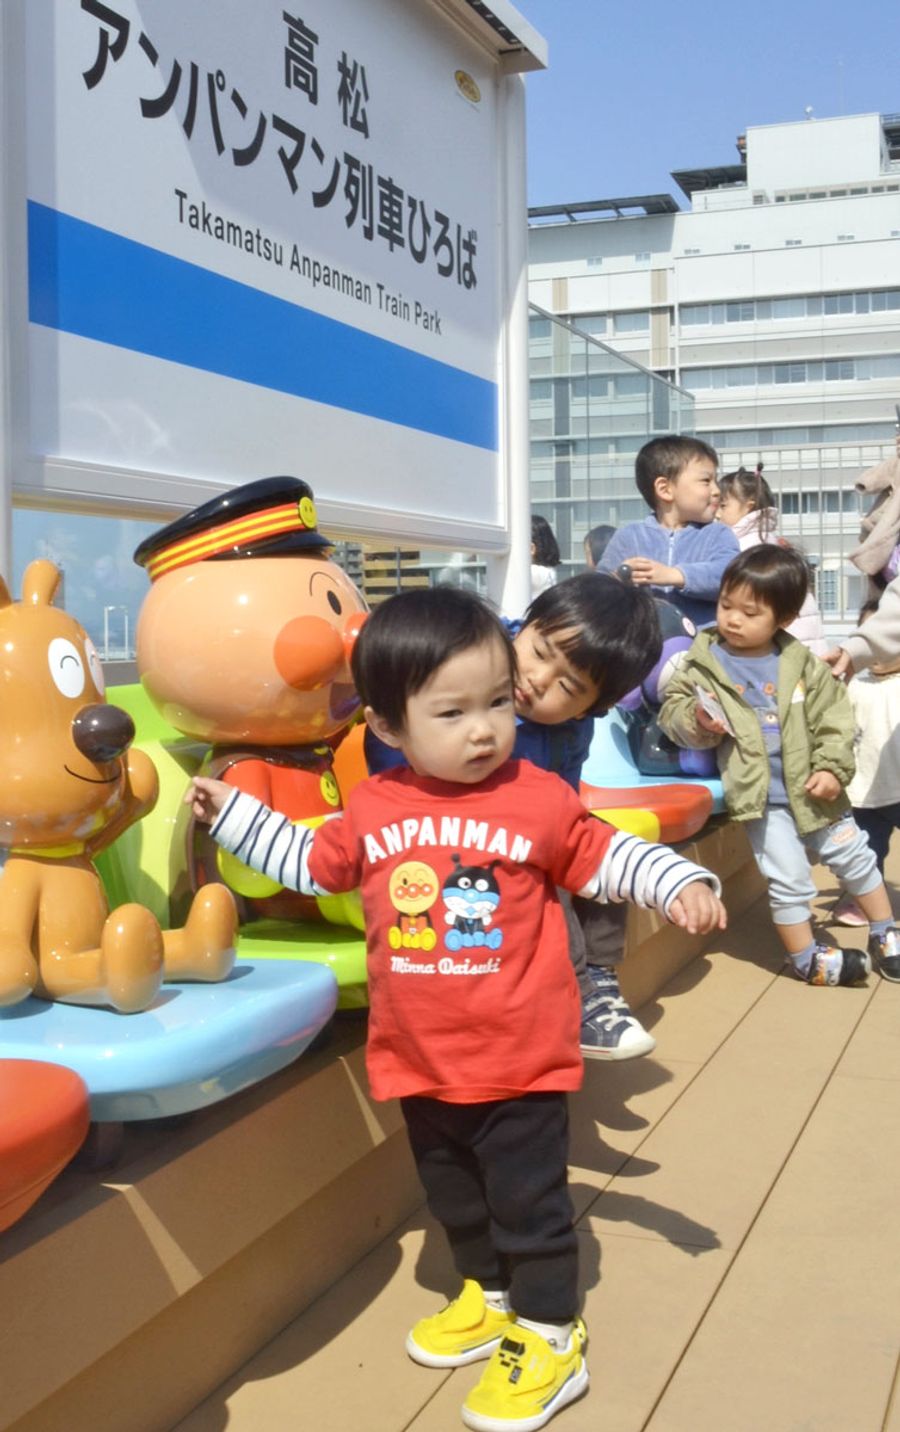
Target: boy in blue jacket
x=679 y=551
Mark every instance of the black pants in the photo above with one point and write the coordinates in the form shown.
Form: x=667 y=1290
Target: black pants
x=495 y=1177
x=879 y=823
x=596 y=935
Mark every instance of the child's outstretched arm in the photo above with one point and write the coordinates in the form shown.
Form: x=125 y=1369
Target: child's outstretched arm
x=655 y=877
x=266 y=840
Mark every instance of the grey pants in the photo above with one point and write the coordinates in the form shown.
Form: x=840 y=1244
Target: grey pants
x=596 y=935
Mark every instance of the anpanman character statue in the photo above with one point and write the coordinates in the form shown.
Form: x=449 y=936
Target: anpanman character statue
x=244 y=642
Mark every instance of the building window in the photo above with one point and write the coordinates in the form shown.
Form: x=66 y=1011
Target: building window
x=810 y=305
x=792 y=243
x=827 y=589
x=593 y=323
x=739 y=248
x=833 y=370
x=595 y=261
x=845 y=238
x=631 y=322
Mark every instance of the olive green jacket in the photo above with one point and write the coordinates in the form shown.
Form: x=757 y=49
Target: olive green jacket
x=816 y=730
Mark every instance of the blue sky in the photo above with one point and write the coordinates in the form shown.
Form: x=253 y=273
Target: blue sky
x=635 y=90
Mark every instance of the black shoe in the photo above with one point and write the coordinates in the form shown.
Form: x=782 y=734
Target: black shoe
x=885 y=952
x=831 y=965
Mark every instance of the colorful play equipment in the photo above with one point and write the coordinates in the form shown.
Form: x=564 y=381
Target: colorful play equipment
x=43 y=1123
x=666 y=809
x=149 y=860
x=197 y=1044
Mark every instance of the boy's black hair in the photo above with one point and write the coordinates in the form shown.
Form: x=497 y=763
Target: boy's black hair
x=409 y=636
x=543 y=541
x=616 y=638
x=868 y=609
x=777 y=575
x=597 y=540
x=667 y=457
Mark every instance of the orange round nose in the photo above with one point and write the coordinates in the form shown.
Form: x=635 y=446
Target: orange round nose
x=309 y=653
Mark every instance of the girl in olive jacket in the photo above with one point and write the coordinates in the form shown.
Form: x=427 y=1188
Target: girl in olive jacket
x=782 y=729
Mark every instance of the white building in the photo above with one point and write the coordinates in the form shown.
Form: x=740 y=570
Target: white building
x=774 y=300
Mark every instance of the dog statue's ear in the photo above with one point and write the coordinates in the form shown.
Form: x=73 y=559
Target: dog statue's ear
x=5 y=598
x=40 y=583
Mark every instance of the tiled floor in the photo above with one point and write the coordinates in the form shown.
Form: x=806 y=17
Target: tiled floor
x=737 y=1202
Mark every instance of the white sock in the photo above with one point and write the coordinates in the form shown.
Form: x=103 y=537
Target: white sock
x=497 y=1299
x=556 y=1334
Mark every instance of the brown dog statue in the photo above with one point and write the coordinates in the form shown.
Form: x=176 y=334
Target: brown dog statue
x=68 y=786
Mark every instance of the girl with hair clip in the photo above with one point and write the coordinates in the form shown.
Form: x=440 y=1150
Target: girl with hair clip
x=747 y=505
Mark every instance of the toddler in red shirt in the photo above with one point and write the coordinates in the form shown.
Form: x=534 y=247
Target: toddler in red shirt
x=474 y=1007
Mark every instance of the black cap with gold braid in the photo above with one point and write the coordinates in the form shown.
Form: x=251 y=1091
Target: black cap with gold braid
x=272 y=517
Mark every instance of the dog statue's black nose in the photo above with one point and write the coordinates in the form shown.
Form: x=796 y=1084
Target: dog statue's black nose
x=102 y=732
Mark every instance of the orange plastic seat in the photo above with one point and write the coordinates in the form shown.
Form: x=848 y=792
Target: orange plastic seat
x=43 y=1122
x=667 y=813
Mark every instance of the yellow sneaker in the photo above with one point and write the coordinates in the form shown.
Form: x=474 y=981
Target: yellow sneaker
x=463 y=1332
x=527 y=1382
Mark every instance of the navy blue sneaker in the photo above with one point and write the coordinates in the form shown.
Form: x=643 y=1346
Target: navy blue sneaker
x=608 y=1028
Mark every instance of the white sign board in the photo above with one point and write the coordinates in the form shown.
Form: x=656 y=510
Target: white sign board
x=264 y=239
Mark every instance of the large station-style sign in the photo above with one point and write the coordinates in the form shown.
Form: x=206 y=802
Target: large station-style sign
x=263 y=238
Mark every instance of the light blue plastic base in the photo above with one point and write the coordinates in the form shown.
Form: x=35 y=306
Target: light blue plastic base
x=610 y=764
x=196 y=1045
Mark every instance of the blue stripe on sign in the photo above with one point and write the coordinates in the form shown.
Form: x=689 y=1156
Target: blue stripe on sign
x=86 y=280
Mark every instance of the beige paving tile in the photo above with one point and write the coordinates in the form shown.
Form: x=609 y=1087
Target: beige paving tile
x=341 y=1366
x=892 y=1420
x=874 y=1050
x=612 y=1115
x=722 y=1145
x=639 y=1316
x=715 y=991
x=805 y=1330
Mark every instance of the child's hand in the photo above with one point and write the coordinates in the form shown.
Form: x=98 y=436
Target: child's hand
x=698 y=909
x=709 y=723
x=206 y=797
x=823 y=786
x=840 y=663
x=645 y=572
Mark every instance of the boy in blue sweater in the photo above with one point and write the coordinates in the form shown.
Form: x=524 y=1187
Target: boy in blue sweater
x=581 y=646
x=680 y=551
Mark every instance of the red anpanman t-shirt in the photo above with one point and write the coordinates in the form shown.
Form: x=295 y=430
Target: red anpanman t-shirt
x=472 y=992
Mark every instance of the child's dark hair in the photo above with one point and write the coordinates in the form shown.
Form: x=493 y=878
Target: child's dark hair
x=614 y=628
x=667 y=457
x=410 y=635
x=597 y=540
x=545 y=547
x=777 y=576
x=868 y=609
x=751 y=487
